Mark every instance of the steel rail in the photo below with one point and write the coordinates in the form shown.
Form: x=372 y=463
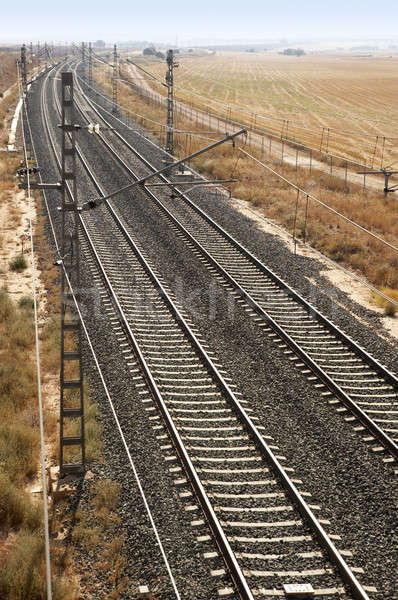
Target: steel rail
x=367 y=421
x=214 y=524
x=294 y=494
x=96 y=362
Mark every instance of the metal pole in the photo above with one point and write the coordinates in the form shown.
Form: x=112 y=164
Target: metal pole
x=83 y=59
x=23 y=68
x=114 y=80
x=71 y=407
x=90 y=64
x=170 y=102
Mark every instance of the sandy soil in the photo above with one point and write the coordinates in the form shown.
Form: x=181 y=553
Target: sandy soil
x=355 y=290
x=14 y=238
x=21 y=284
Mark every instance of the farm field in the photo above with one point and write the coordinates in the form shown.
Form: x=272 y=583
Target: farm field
x=342 y=104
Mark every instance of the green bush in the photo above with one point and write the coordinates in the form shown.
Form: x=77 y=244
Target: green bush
x=18 y=263
x=16 y=510
x=390 y=309
x=18 y=450
x=26 y=302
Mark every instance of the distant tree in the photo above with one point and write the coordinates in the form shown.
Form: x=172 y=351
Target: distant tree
x=99 y=43
x=150 y=51
x=293 y=52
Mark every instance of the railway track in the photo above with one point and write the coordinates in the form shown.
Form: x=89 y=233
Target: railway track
x=349 y=373
x=262 y=524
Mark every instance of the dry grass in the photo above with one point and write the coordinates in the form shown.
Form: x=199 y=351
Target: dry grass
x=106 y=495
x=8 y=70
x=8 y=166
x=389 y=308
x=45 y=257
x=8 y=76
x=22 y=570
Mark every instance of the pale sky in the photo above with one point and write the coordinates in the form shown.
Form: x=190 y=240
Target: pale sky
x=163 y=21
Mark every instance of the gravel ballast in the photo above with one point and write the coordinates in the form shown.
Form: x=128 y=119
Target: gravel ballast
x=353 y=487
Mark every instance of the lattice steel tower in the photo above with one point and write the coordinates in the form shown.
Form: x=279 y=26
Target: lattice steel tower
x=71 y=373
x=114 y=80
x=170 y=102
x=83 y=59
x=90 y=64
x=23 y=69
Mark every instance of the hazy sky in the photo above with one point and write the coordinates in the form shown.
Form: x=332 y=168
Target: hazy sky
x=157 y=20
